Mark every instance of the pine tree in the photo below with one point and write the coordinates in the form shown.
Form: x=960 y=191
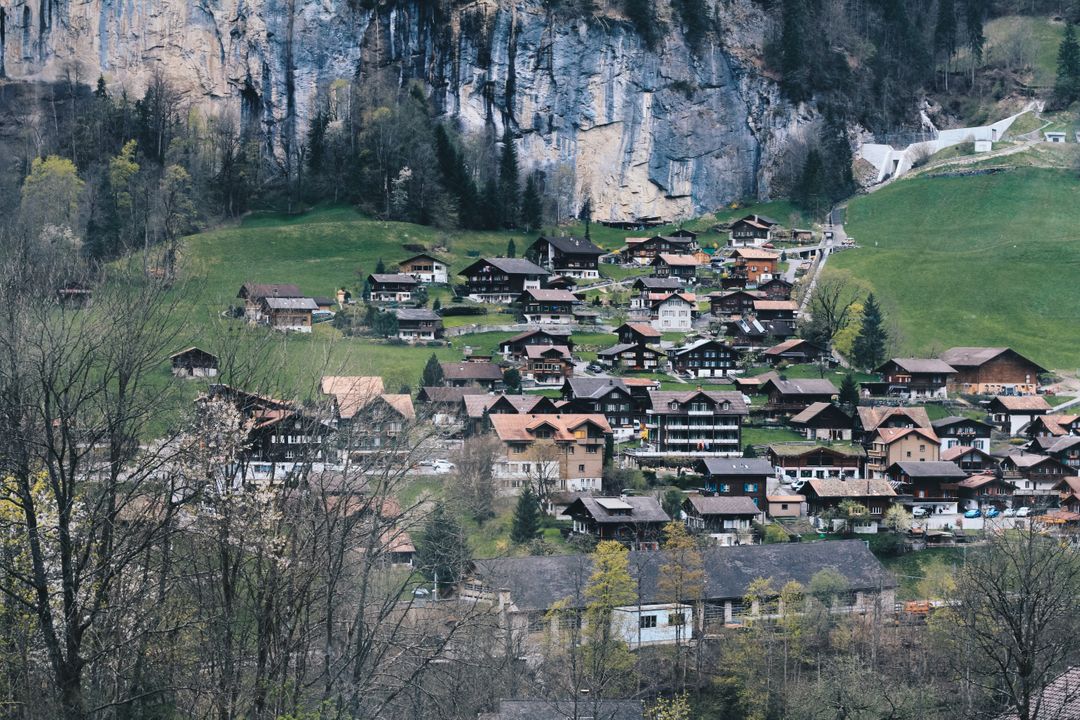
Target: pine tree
x=811 y=193
x=749 y=452
x=1067 y=84
x=509 y=188
x=380 y=267
x=526 y=517
x=437 y=305
x=849 y=391
x=512 y=380
x=532 y=209
x=945 y=35
x=511 y=248
x=837 y=158
x=868 y=350
x=433 y=374
x=976 y=39
x=442 y=551
x=586 y=214
x=489 y=205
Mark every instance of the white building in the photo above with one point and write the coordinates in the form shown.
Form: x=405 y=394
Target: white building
x=657 y=624
x=674 y=313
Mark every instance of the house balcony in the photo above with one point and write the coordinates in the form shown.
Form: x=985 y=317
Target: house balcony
x=687 y=426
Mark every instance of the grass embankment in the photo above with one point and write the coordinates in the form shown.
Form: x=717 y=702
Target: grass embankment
x=982 y=260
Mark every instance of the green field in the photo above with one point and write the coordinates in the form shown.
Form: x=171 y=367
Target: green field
x=983 y=260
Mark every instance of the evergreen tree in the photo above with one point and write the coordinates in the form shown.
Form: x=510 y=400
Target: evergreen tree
x=586 y=214
x=672 y=503
x=433 y=374
x=509 y=188
x=695 y=18
x=849 y=391
x=316 y=141
x=380 y=267
x=526 y=517
x=512 y=380
x=532 y=208
x=1067 y=84
x=945 y=35
x=489 y=205
x=749 y=452
x=837 y=158
x=976 y=39
x=511 y=248
x=442 y=551
x=812 y=192
x=437 y=305
x=794 y=64
x=868 y=350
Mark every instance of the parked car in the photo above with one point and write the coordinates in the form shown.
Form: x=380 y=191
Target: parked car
x=1009 y=512
x=595 y=367
x=1023 y=512
x=992 y=513
x=973 y=513
x=920 y=512
x=435 y=467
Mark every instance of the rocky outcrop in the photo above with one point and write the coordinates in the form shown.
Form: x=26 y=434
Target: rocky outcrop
x=665 y=131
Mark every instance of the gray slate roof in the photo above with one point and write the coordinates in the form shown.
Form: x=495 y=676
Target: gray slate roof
x=645 y=509
x=659 y=400
x=923 y=365
x=575 y=245
x=587 y=387
x=931 y=469
x=811 y=386
x=283 y=303
x=394 y=278
x=471 y=371
x=737 y=467
x=516 y=266
x=716 y=505
x=416 y=314
x=655 y=283
x=536 y=583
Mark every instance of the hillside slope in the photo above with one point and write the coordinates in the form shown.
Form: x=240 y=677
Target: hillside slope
x=975 y=260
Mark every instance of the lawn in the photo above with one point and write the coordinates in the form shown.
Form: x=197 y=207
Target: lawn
x=909 y=569
x=765 y=436
x=978 y=260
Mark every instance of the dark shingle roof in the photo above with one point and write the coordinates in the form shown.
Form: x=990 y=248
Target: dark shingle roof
x=586 y=387
x=737 y=466
x=659 y=400
x=921 y=365
x=715 y=505
x=578 y=246
x=512 y=266
x=1060 y=700
x=394 y=278
x=931 y=469
x=438 y=394
x=812 y=386
x=537 y=582
x=416 y=314
x=655 y=283
x=471 y=371
x=642 y=509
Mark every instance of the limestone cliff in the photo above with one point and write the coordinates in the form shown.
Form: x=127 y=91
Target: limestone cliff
x=664 y=131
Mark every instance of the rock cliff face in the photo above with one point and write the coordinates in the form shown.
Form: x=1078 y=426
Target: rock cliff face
x=664 y=131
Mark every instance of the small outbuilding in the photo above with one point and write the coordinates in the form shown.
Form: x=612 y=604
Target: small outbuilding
x=194 y=362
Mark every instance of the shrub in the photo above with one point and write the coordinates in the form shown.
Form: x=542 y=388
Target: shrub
x=462 y=310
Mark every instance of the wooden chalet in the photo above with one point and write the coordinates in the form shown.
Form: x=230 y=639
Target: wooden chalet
x=776 y=289
x=706 y=358
x=970 y=459
x=502 y=280
x=992 y=371
x=1053 y=425
x=391 y=287
x=419 y=324
x=1035 y=477
x=253 y=293
x=680 y=266
x=475 y=409
x=645 y=289
x=734 y=302
x=875 y=495
x=194 y=362
x=985 y=488
x=776 y=310
x=426 y=269
x=754 y=266
x=463 y=374
x=548 y=307
x=794 y=351
x=868 y=419
x=956 y=431
x=788 y=397
x=567 y=256
x=933 y=481
x=634 y=332
x=515 y=346
x=751 y=231
x=802 y=461
x=823 y=421
x=644 y=251
x=636 y=522
x=293 y=314
x=1013 y=413
x=631 y=357
x=694 y=423
x=1065 y=449
x=609 y=397
x=547 y=364
x=737 y=477
x=729 y=520
x=913 y=378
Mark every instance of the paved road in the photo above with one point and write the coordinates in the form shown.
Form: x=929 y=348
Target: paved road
x=838 y=238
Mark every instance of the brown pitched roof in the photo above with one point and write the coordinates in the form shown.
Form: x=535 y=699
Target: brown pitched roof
x=644 y=329
x=523 y=427
x=475 y=405
x=352 y=392
x=401 y=403
x=1021 y=403
x=538 y=351
x=851 y=488
x=684 y=260
x=776 y=305
x=783 y=347
x=958 y=451
x=872 y=417
x=960 y=357
x=755 y=254
x=716 y=505
x=812 y=411
x=256 y=291
x=551 y=295
x=891 y=435
x=921 y=365
x=471 y=371
x=448 y=395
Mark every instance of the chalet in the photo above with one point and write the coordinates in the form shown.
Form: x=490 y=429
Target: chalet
x=550 y=452
x=794 y=351
x=462 y=374
x=637 y=333
x=751 y=231
x=287 y=313
x=418 y=324
x=631 y=357
x=737 y=477
x=1035 y=477
x=802 y=235
x=476 y=409
x=646 y=289
x=426 y=269
x=916 y=377
x=194 y=362
x=1065 y=449
x=515 y=346
x=443 y=404
x=1069 y=491
x=891 y=445
x=644 y=251
x=324 y=303
x=727 y=520
x=971 y=460
x=637 y=522
x=789 y=397
x=567 y=256
x=674 y=312
x=604 y=396
x=706 y=358
x=684 y=233
x=754 y=266
x=547 y=364
x=823 y=421
x=776 y=309
x=280 y=435
x=548 y=307
x=752 y=385
x=1012 y=413
x=869 y=419
x=992 y=371
x=561 y=282
x=680 y=266
x=956 y=431
x=734 y=302
x=752 y=333
x=802 y=461
x=776 y=289
x=785 y=507
x=875 y=495
x=927 y=482
x=984 y=488
x=385 y=418
x=1054 y=425
x=525 y=590
x=253 y=293
x=695 y=423
x=502 y=280
x=391 y=287
x=350 y=394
